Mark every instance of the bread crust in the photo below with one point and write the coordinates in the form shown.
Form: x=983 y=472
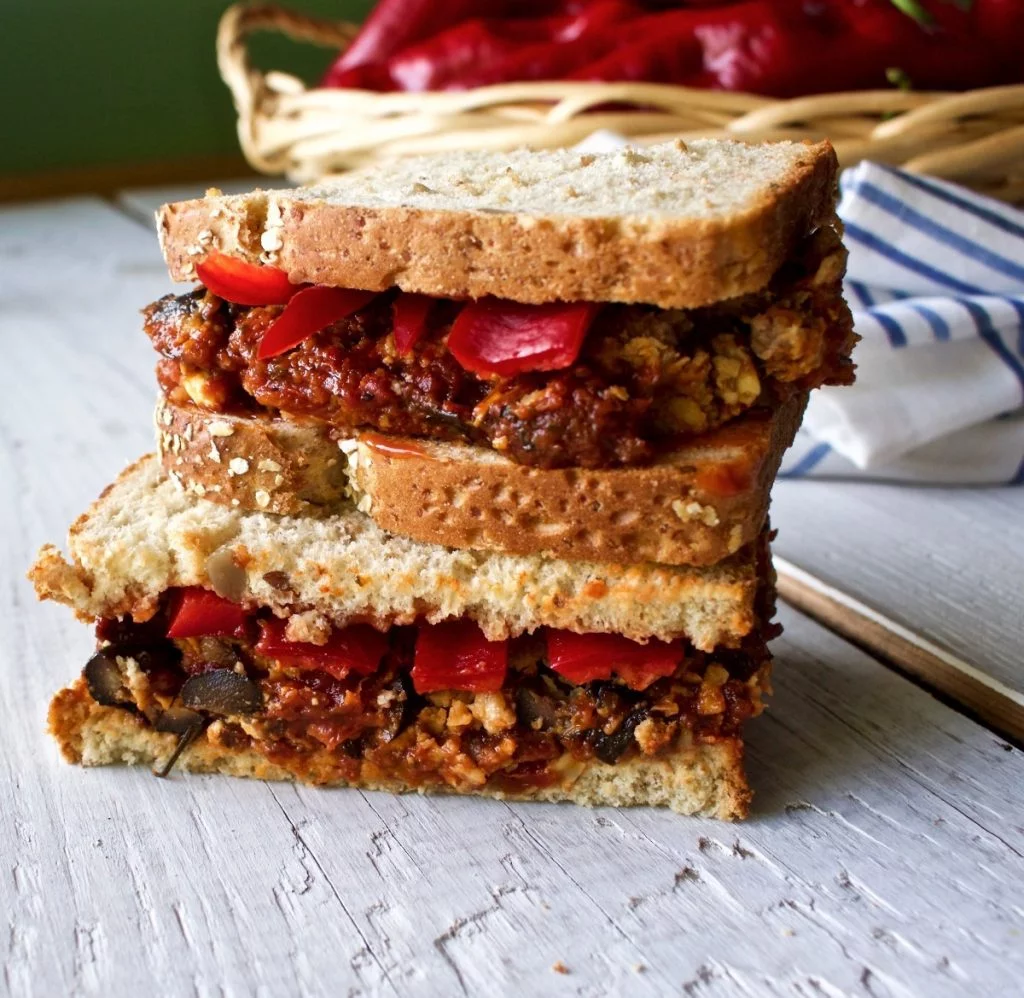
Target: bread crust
x=706 y=780
x=673 y=263
x=144 y=536
x=675 y=511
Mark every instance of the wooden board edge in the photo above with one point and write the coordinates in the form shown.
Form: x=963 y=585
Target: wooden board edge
x=994 y=703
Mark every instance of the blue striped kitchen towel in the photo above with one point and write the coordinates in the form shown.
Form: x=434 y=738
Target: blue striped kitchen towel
x=936 y=284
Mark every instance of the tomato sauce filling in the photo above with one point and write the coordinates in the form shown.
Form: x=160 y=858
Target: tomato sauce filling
x=567 y=384
x=420 y=705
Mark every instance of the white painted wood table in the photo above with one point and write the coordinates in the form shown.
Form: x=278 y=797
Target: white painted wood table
x=885 y=855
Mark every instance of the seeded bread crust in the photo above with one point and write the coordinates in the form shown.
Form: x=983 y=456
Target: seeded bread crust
x=144 y=535
x=706 y=780
x=464 y=496
x=672 y=225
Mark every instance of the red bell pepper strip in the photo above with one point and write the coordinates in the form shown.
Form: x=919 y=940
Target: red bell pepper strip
x=310 y=310
x=455 y=655
x=410 y=321
x=493 y=336
x=198 y=613
x=358 y=648
x=583 y=658
x=244 y=283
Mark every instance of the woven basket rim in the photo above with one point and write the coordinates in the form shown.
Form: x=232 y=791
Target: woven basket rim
x=286 y=126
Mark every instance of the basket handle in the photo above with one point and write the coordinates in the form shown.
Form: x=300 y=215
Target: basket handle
x=247 y=84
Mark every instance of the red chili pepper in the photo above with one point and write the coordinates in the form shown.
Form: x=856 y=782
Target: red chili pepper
x=358 y=648
x=583 y=658
x=455 y=655
x=596 y=30
x=369 y=76
x=197 y=612
x=470 y=50
x=310 y=310
x=394 y=24
x=493 y=336
x=244 y=283
x=410 y=321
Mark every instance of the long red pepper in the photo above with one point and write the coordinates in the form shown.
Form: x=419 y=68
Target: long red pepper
x=783 y=48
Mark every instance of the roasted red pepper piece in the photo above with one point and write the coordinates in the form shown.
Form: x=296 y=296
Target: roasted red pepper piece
x=410 y=321
x=244 y=283
x=198 y=613
x=309 y=311
x=583 y=658
x=358 y=648
x=494 y=336
x=455 y=655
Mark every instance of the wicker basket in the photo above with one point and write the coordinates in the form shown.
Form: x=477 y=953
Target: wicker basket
x=974 y=138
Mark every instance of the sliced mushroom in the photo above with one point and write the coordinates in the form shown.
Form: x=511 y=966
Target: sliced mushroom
x=105 y=682
x=178 y=720
x=185 y=739
x=532 y=707
x=608 y=748
x=223 y=692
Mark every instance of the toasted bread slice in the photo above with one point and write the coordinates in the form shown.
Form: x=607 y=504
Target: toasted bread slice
x=673 y=225
x=695 y=506
x=702 y=779
x=145 y=535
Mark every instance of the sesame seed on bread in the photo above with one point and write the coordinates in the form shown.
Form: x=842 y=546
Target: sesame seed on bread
x=145 y=535
x=694 y=506
x=675 y=225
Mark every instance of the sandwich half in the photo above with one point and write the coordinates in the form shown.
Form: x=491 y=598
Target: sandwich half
x=462 y=477
x=326 y=650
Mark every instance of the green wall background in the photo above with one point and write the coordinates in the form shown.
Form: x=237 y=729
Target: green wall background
x=91 y=83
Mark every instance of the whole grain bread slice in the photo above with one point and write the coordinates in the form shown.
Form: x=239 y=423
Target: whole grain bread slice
x=695 y=506
x=675 y=225
x=145 y=535
x=701 y=779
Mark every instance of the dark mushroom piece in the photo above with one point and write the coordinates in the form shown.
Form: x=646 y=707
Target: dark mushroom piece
x=532 y=707
x=178 y=720
x=185 y=739
x=223 y=692
x=608 y=748
x=105 y=682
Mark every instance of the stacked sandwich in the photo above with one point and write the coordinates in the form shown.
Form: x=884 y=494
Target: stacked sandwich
x=462 y=477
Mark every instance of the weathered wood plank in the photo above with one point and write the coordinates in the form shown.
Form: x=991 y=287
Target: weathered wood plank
x=884 y=855
x=946 y=563
x=998 y=706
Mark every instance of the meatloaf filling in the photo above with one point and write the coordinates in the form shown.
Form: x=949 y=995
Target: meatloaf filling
x=645 y=378
x=326 y=724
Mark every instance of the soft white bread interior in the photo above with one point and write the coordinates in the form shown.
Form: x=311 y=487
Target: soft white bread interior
x=695 y=506
x=145 y=535
x=676 y=225
x=706 y=779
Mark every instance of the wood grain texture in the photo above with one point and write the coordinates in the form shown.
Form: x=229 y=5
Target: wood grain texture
x=946 y=563
x=996 y=705
x=885 y=855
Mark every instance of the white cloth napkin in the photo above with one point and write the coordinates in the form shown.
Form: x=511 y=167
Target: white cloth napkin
x=936 y=284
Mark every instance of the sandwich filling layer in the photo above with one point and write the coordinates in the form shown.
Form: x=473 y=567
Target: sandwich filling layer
x=423 y=706
x=641 y=381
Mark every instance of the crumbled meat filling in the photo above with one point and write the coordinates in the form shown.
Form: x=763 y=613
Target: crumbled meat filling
x=324 y=728
x=646 y=378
